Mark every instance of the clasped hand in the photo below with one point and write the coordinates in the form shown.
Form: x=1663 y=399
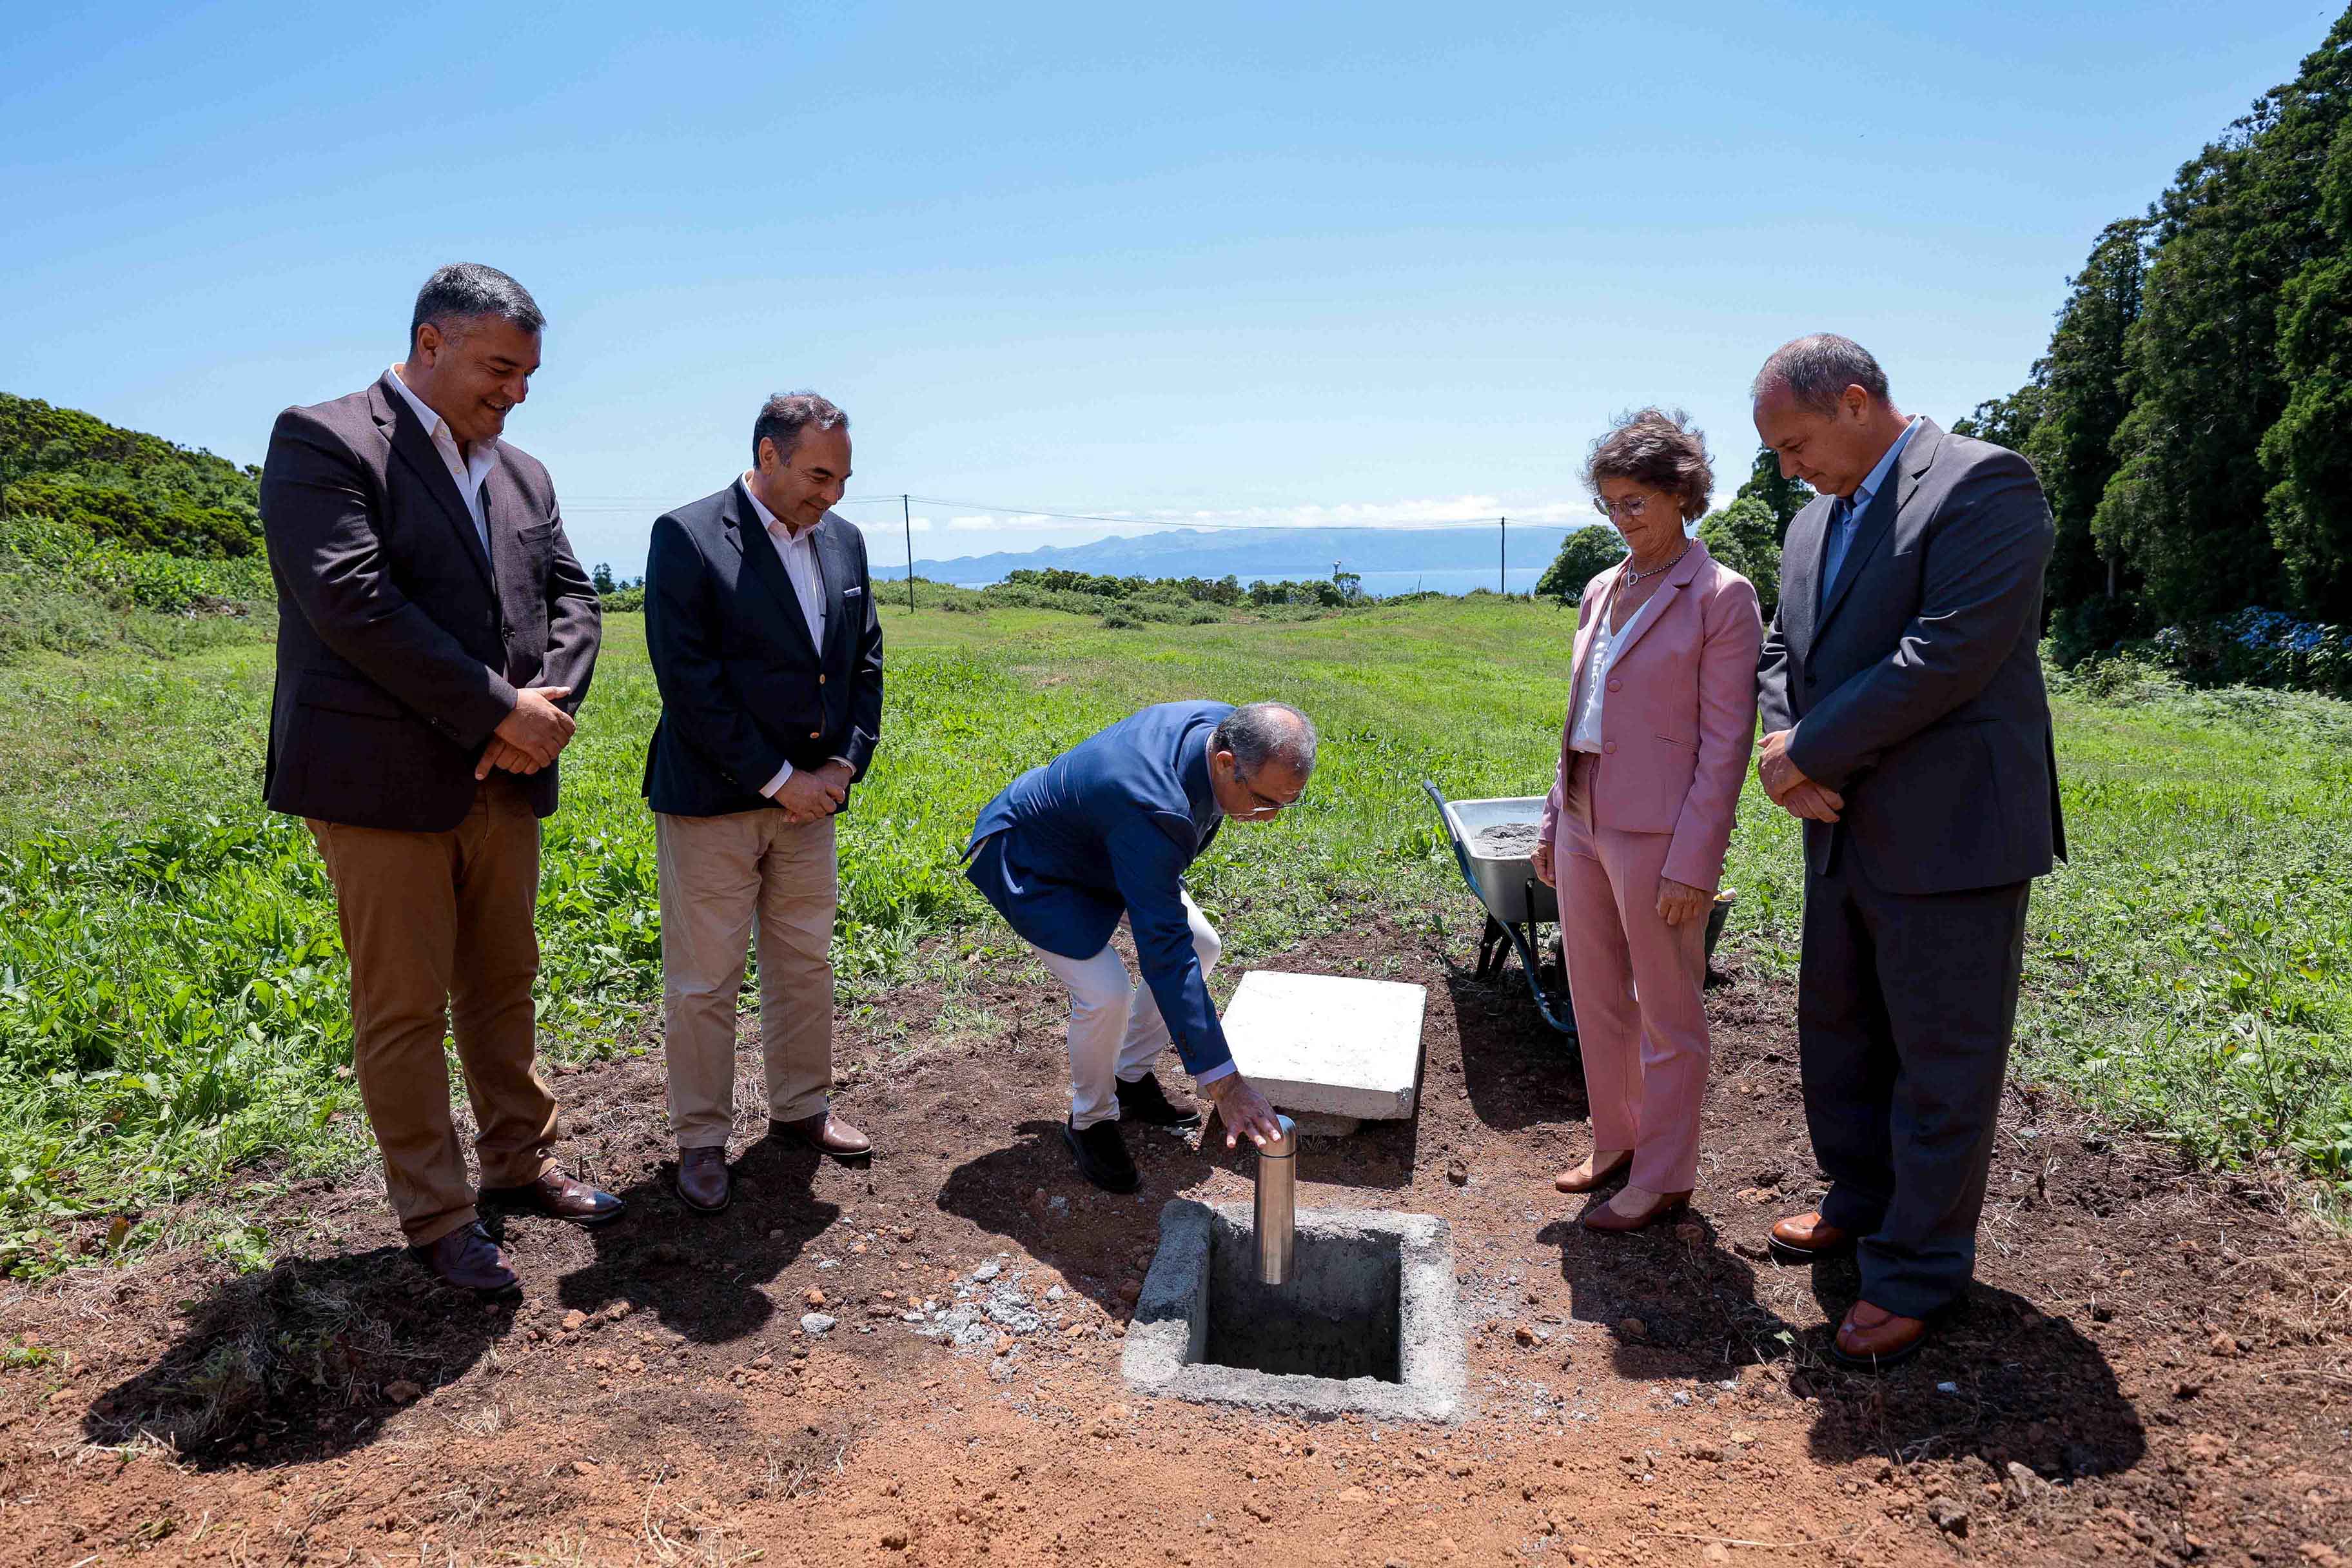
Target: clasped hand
x=531 y=736
x=813 y=793
x=1789 y=788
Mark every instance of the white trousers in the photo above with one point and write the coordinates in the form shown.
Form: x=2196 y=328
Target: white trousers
x=1116 y=1029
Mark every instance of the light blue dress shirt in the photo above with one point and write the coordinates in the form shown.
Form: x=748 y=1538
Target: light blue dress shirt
x=1849 y=510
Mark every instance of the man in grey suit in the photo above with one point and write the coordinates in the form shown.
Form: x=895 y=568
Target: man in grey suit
x=1907 y=723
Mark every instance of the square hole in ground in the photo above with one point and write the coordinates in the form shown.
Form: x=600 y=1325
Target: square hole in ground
x=1337 y=1318
x=1368 y=1321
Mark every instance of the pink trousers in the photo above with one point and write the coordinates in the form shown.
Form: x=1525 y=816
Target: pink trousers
x=1635 y=980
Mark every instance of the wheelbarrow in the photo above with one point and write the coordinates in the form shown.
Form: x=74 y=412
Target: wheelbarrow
x=1516 y=903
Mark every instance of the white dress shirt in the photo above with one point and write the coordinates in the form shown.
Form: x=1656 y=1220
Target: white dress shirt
x=798 y=552
x=1584 y=735
x=470 y=472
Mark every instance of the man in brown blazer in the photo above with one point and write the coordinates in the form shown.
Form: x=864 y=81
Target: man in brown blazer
x=436 y=638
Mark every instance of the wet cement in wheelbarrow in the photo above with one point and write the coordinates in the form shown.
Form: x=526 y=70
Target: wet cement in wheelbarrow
x=1505 y=840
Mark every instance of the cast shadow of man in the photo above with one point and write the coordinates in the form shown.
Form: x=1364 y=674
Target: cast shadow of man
x=2000 y=1379
x=1091 y=1237
x=302 y=1360
x=700 y=1275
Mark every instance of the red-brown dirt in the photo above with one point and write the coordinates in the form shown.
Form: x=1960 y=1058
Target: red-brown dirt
x=2154 y=1367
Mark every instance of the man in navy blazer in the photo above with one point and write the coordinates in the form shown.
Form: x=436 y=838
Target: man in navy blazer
x=1104 y=833
x=760 y=624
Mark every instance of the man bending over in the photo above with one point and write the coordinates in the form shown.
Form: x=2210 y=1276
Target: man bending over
x=1104 y=833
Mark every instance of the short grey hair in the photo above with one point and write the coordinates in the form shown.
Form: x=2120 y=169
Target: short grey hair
x=1817 y=369
x=468 y=292
x=784 y=417
x=1259 y=733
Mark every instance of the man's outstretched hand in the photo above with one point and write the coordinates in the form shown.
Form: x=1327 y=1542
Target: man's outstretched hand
x=1789 y=788
x=1244 y=1110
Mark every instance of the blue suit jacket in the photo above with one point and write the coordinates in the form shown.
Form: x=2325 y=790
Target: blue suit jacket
x=1107 y=828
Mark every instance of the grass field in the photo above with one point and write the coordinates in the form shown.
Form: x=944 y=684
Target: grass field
x=172 y=994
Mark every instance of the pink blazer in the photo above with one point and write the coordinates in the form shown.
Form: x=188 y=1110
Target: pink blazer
x=1678 y=721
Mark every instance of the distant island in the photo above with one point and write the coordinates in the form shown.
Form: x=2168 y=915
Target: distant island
x=1390 y=559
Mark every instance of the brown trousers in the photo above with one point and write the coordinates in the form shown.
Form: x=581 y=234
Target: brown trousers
x=722 y=877
x=438 y=927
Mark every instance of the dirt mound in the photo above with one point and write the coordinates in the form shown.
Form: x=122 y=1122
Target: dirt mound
x=918 y=1361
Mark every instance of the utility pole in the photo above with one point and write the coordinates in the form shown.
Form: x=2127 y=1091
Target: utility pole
x=1503 y=566
x=906 y=520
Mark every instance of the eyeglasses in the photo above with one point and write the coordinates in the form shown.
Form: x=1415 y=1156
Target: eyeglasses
x=1265 y=804
x=1631 y=506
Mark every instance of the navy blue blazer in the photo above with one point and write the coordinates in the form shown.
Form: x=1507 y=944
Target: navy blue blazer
x=1107 y=828
x=743 y=690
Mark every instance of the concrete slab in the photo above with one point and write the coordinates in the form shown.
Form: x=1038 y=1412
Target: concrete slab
x=1369 y=1322
x=1322 y=1043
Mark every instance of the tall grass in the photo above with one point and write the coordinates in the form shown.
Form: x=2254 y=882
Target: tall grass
x=172 y=989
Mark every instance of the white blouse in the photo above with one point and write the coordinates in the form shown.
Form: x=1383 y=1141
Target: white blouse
x=1584 y=735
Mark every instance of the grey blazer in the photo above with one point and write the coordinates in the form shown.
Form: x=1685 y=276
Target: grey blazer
x=1915 y=688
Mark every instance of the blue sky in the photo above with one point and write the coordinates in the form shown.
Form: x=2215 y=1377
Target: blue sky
x=1245 y=263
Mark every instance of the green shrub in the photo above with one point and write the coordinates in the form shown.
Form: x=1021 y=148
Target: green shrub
x=169 y=523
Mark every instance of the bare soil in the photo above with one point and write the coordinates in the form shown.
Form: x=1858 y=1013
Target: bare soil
x=2155 y=1367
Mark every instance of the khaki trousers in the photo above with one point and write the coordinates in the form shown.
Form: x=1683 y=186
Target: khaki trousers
x=438 y=930
x=723 y=878
x=1116 y=1029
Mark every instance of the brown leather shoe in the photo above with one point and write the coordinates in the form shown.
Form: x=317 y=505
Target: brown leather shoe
x=703 y=1182
x=1871 y=1337
x=827 y=1135
x=1570 y=1181
x=1602 y=1218
x=467 y=1258
x=558 y=1196
x=1807 y=1238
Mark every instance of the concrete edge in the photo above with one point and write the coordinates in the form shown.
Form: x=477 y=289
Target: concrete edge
x=1167 y=1330
x=1164 y=1338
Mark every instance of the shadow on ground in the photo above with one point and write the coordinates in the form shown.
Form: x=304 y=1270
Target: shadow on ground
x=301 y=1362
x=701 y=1274
x=1091 y=1237
x=2000 y=1379
x=1516 y=1070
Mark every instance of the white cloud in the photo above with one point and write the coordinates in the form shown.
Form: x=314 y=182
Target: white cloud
x=891 y=525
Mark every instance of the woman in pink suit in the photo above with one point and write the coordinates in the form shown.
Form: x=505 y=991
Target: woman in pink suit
x=1661 y=718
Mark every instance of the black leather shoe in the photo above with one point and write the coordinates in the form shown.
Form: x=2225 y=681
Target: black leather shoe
x=558 y=1196
x=1144 y=1101
x=467 y=1258
x=1102 y=1156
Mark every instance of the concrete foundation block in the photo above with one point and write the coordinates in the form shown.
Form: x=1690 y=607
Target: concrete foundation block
x=1369 y=1322
x=1324 y=1044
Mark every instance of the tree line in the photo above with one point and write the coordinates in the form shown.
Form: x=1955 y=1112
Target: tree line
x=2191 y=419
